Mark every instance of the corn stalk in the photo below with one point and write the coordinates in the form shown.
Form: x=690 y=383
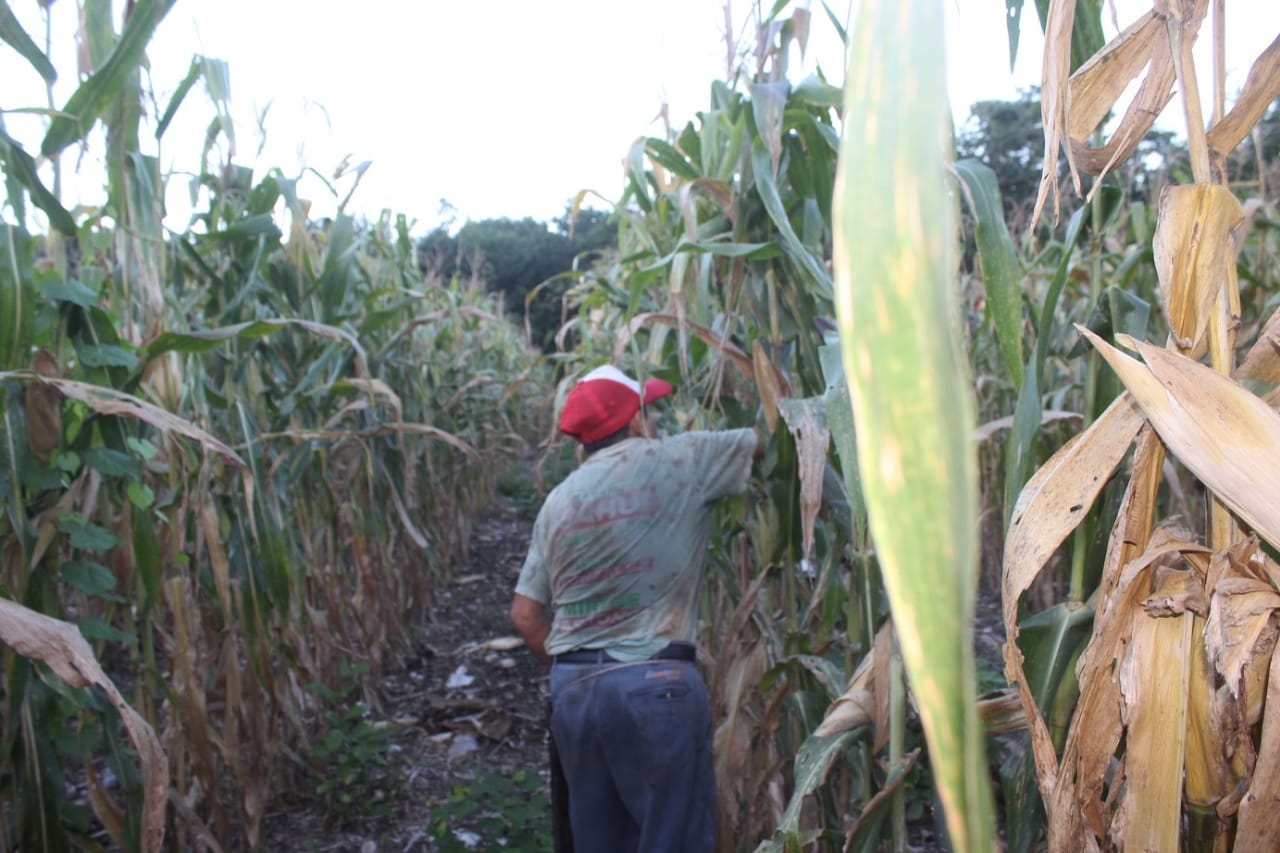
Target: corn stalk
x=1171 y=739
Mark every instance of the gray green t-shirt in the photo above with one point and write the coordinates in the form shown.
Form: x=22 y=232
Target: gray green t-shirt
x=619 y=547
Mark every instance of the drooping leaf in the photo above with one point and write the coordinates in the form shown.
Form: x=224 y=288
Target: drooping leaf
x=1000 y=275
x=12 y=34
x=912 y=400
x=91 y=99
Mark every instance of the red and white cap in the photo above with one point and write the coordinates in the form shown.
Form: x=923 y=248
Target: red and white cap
x=604 y=401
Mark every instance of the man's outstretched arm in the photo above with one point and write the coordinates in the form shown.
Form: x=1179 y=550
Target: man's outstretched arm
x=534 y=624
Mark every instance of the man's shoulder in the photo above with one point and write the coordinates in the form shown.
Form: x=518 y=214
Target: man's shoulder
x=722 y=437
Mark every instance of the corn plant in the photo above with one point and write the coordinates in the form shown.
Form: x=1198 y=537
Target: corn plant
x=236 y=458
x=1169 y=743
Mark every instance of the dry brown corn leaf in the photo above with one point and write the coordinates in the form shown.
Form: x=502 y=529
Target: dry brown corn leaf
x=1057 y=497
x=1054 y=100
x=1216 y=743
x=807 y=422
x=1261 y=88
x=767 y=384
x=1241 y=620
x=1177 y=591
x=1078 y=811
x=187 y=688
x=1195 y=247
x=1050 y=506
x=1262 y=362
x=1099 y=84
x=865 y=700
x=1259 y=816
x=61 y=646
x=1225 y=435
x=713 y=339
x=44 y=407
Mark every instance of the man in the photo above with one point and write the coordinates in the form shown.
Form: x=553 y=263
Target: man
x=609 y=596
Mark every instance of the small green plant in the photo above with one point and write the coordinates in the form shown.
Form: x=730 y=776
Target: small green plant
x=358 y=774
x=494 y=813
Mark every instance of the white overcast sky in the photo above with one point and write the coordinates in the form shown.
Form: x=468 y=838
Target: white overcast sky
x=501 y=107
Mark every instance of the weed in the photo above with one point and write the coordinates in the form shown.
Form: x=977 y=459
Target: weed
x=494 y=813
x=358 y=774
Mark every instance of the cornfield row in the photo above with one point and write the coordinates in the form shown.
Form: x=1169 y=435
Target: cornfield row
x=237 y=457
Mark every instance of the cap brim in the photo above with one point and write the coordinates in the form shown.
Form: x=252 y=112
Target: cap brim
x=656 y=389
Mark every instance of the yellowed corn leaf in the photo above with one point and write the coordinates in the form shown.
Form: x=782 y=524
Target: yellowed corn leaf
x=1077 y=808
x=1259 y=816
x=807 y=421
x=855 y=707
x=1262 y=362
x=1261 y=88
x=61 y=646
x=766 y=383
x=713 y=339
x=1154 y=712
x=1047 y=418
x=1002 y=711
x=1225 y=435
x=1195 y=248
x=866 y=699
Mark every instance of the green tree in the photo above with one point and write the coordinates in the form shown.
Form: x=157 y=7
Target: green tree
x=513 y=257
x=1008 y=136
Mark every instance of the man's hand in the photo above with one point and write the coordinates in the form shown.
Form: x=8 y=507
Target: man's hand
x=534 y=624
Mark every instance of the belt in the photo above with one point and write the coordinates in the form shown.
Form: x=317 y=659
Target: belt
x=677 y=650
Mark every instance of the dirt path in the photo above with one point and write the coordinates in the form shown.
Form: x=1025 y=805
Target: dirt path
x=469 y=715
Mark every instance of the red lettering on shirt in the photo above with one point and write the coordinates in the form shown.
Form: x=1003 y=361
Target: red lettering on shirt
x=614 y=570
x=622 y=505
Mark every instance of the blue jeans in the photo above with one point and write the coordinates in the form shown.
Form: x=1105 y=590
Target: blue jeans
x=635 y=744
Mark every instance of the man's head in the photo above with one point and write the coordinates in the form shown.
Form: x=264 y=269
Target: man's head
x=604 y=402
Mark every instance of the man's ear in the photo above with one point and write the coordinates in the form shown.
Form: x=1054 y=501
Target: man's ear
x=640 y=424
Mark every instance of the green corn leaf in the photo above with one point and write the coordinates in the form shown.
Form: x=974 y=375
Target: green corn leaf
x=90 y=101
x=12 y=34
x=667 y=156
x=814 y=759
x=16 y=309
x=767 y=188
x=913 y=405
x=1000 y=275
x=20 y=168
x=815 y=92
